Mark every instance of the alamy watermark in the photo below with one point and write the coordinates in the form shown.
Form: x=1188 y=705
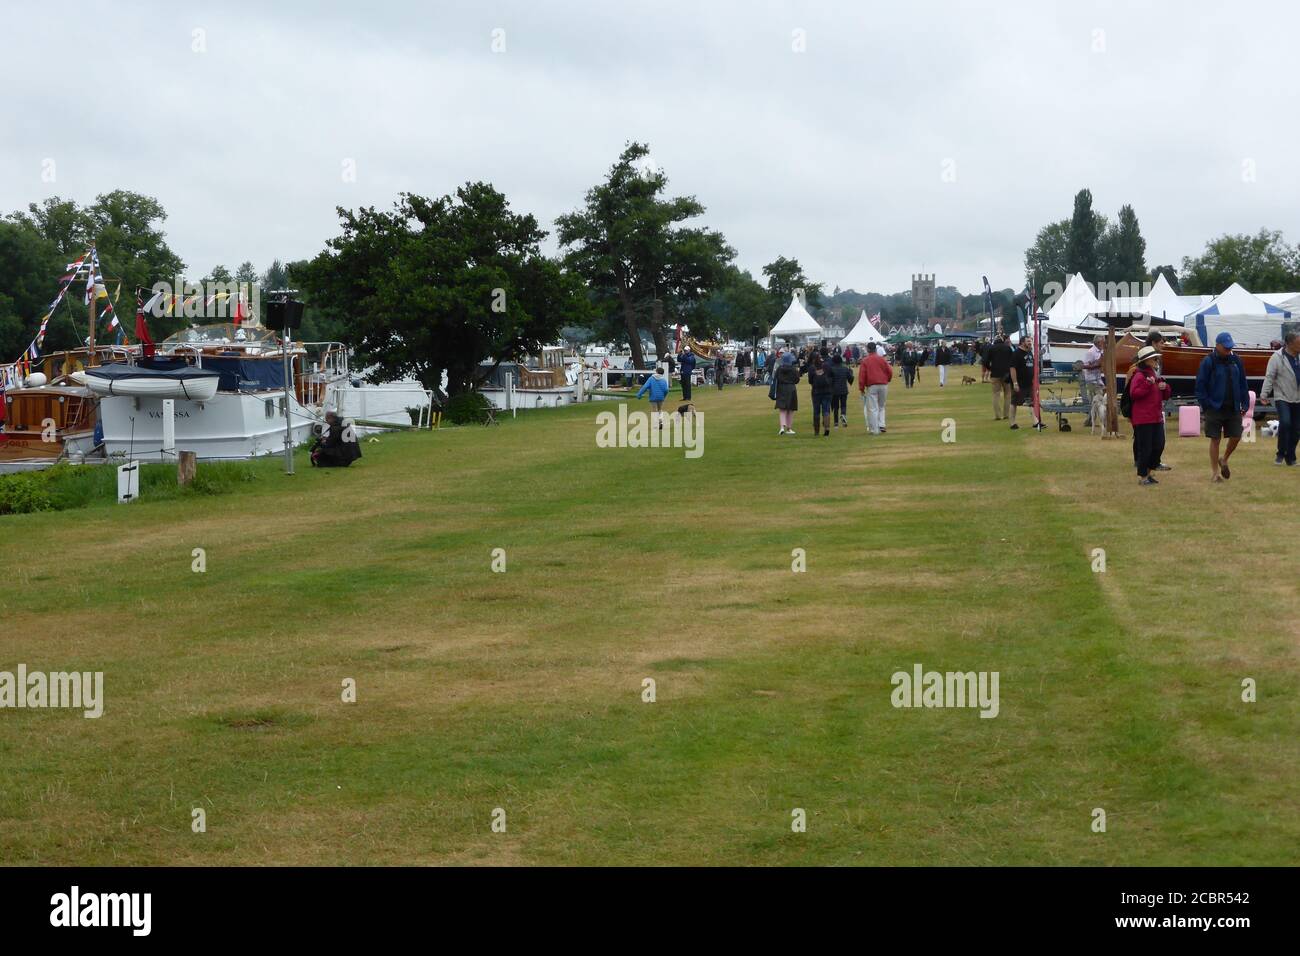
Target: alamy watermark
x=639 y=430
x=77 y=690
x=922 y=688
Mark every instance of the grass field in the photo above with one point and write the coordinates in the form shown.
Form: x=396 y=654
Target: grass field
x=523 y=690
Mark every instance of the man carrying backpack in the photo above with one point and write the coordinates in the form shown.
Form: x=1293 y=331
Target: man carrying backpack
x=1223 y=395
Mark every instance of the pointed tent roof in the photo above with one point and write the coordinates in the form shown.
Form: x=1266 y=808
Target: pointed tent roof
x=863 y=332
x=1249 y=319
x=795 y=322
x=1075 y=304
x=1235 y=300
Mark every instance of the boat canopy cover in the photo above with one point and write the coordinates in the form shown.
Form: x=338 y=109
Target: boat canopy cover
x=118 y=372
x=238 y=374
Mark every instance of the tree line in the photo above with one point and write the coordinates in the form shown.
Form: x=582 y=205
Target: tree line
x=1107 y=252
x=458 y=282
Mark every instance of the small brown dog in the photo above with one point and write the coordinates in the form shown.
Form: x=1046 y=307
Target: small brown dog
x=967 y=380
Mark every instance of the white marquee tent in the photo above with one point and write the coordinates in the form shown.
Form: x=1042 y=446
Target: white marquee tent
x=863 y=332
x=1249 y=319
x=796 y=323
x=1074 y=305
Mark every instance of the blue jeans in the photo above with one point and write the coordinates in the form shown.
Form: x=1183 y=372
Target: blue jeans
x=1288 y=430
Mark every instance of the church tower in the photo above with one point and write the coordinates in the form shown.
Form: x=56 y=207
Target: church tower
x=923 y=296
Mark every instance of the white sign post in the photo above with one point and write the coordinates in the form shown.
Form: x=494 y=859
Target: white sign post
x=128 y=482
x=169 y=428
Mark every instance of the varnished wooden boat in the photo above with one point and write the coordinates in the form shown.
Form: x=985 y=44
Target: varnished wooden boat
x=1179 y=362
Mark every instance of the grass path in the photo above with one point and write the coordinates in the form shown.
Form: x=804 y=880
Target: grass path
x=522 y=690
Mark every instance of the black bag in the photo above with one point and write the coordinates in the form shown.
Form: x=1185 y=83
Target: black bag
x=1126 y=398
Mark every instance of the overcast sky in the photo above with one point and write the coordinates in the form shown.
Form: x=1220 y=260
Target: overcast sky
x=904 y=136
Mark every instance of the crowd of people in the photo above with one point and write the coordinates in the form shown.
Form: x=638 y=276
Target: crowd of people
x=1222 y=392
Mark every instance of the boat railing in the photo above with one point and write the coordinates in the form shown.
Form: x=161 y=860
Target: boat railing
x=360 y=402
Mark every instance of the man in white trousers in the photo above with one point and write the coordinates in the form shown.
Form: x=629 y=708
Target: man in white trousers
x=874 y=376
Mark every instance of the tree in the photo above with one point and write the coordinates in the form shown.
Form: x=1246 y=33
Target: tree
x=246 y=273
x=126 y=229
x=632 y=249
x=783 y=277
x=1081 y=245
x=1260 y=263
x=733 y=309
x=220 y=274
x=1122 y=257
x=275 y=277
x=442 y=285
x=1045 y=261
x=30 y=267
x=1171 y=276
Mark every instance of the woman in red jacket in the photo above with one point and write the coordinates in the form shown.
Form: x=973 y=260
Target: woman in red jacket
x=1148 y=392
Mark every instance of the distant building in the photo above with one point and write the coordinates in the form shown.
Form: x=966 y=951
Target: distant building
x=923 y=296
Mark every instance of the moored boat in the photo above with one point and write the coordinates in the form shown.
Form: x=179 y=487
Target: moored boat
x=1179 y=362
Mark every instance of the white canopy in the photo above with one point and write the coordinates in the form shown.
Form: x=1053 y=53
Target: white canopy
x=1249 y=319
x=863 y=332
x=1164 y=303
x=1075 y=304
x=796 y=322
x=1283 y=300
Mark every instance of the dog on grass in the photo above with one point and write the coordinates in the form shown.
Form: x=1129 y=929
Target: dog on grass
x=686 y=408
x=967 y=380
x=1098 y=415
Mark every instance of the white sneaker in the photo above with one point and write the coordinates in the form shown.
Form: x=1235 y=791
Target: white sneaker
x=789 y=431
x=781 y=430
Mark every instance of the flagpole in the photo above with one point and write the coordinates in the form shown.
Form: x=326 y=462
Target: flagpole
x=90 y=307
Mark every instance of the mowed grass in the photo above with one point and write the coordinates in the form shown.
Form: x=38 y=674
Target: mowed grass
x=523 y=690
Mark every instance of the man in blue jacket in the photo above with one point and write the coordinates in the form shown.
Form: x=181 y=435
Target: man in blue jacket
x=687 y=363
x=1223 y=395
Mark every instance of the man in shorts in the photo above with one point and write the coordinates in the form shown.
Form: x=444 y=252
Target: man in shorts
x=1223 y=395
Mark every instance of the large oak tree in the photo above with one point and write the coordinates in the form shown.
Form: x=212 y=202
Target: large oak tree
x=442 y=284
x=631 y=246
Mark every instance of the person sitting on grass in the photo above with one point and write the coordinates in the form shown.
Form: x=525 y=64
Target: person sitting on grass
x=337 y=445
x=657 y=386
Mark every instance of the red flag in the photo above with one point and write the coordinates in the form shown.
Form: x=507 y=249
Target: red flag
x=142 y=329
x=240 y=312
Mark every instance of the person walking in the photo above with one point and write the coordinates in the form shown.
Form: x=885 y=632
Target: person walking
x=998 y=360
x=942 y=358
x=719 y=370
x=657 y=386
x=874 y=376
x=1282 y=388
x=687 y=363
x=841 y=376
x=907 y=358
x=1223 y=395
x=819 y=379
x=760 y=367
x=1148 y=392
x=785 y=391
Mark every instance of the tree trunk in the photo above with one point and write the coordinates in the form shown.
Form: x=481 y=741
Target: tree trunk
x=633 y=330
x=660 y=336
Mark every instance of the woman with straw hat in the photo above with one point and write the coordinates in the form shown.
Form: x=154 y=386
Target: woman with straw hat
x=1148 y=392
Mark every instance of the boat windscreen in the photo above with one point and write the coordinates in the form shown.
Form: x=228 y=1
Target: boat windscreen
x=223 y=334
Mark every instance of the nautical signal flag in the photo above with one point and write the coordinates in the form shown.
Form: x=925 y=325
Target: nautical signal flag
x=142 y=327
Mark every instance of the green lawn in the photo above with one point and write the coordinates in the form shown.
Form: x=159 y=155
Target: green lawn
x=523 y=690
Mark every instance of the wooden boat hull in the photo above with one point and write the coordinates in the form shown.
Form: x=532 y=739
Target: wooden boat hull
x=1180 y=363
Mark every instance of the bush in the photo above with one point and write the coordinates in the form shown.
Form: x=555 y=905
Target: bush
x=24 y=493
x=467 y=408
